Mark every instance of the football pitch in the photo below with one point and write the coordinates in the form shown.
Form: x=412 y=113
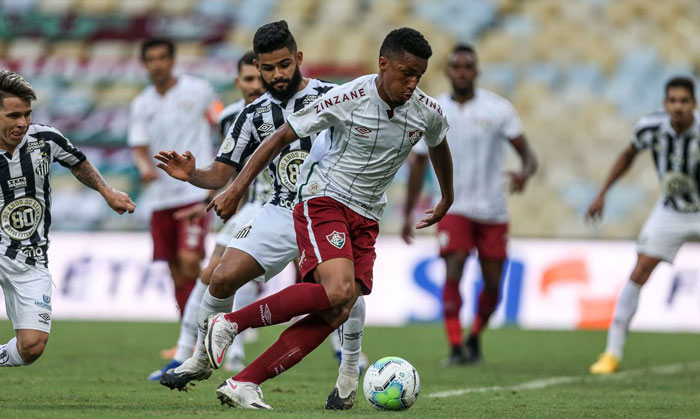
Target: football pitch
x=96 y=369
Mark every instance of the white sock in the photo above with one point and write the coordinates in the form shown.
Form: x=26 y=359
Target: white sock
x=9 y=355
x=245 y=295
x=209 y=305
x=350 y=348
x=334 y=339
x=188 y=326
x=624 y=310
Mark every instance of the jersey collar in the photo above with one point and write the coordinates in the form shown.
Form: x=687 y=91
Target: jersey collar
x=374 y=94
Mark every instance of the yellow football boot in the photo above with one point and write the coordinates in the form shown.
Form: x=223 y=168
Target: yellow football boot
x=607 y=363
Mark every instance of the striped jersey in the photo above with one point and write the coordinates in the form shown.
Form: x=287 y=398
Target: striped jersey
x=479 y=129
x=261 y=188
x=25 y=217
x=676 y=157
x=368 y=142
x=260 y=119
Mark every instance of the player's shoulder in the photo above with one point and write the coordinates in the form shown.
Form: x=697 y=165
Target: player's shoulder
x=232 y=109
x=425 y=102
x=48 y=130
x=321 y=86
x=193 y=82
x=651 y=121
x=492 y=98
x=145 y=96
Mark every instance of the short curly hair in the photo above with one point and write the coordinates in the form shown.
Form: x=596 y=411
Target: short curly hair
x=272 y=37
x=404 y=40
x=12 y=84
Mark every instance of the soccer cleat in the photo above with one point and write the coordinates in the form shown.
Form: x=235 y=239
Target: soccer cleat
x=220 y=334
x=607 y=363
x=456 y=357
x=345 y=384
x=473 y=350
x=192 y=369
x=155 y=375
x=241 y=394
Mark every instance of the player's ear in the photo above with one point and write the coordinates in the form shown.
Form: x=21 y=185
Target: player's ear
x=300 y=57
x=237 y=82
x=383 y=63
x=256 y=64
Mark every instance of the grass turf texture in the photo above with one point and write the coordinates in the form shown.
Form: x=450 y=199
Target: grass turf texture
x=95 y=369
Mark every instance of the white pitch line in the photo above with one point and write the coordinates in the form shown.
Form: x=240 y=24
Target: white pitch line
x=554 y=381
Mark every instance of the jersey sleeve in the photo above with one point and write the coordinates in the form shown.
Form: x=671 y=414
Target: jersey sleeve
x=240 y=142
x=511 y=126
x=643 y=136
x=437 y=130
x=62 y=151
x=421 y=148
x=325 y=112
x=138 y=134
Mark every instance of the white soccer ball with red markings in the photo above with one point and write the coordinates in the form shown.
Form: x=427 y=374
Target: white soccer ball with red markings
x=391 y=383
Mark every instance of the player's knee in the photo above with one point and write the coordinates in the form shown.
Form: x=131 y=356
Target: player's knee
x=189 y=264
x=31 y=349
x=341 y=293
x=223 y=282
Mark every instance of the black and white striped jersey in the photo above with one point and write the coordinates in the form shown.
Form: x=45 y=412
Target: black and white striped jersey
x=228 y=115
x=25 y=217
x=260 y=119
x=676 y=157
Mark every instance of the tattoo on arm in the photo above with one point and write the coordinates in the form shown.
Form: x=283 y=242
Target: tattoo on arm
x=88 y=175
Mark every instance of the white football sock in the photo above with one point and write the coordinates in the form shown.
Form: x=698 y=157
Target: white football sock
x=334 y=339
x=9 y=355
x=209 y=305
x=245 y=295
x=188 y=326
x=624 y=310
x=350 y=348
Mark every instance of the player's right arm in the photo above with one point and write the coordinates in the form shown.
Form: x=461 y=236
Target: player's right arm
x=183 y=167
x=139 y=140
x=623 y=162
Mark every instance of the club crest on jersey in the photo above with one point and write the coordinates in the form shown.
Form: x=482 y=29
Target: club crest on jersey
x=336 y=239
x=42 y=164
x=414 y=136
x=289 y=166
x=21 y=217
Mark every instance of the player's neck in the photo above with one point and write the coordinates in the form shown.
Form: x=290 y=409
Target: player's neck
x=463 y=96
x=164 y=87
x=682 y=126
x=379 y=83
x=303 y=84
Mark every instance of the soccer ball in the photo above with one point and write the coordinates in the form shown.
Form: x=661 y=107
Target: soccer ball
x=391 y=384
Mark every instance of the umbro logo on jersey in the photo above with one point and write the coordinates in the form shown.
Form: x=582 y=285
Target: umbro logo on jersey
x=362 y=132
x=415 y=136
x=266 y=128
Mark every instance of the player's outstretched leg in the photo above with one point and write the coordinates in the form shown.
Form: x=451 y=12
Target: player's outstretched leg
x=343 y=395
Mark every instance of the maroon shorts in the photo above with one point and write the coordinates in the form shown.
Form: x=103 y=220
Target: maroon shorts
x=327 y=229
x=171 y=235
x=459 y=233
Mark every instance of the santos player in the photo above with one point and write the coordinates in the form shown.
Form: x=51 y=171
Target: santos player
x=26 y=153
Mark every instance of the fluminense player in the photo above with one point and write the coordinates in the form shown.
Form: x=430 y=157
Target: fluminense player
x=267 y=243
x=26 y=153
x=249 y=83
x=481 y=123
x=373 y=121
x=175 y=111
x=673 y=137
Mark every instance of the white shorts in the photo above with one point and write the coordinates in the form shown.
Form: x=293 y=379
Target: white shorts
x=269 y=238
x=27 y=292
x=665 y=231
x=246 y=213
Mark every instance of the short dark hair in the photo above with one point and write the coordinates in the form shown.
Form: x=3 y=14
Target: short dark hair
x=681 y=81
x=404 y=40
x=246 y=59
x=463 y=48
x=155 y=42
x=12 y=84
x=272 y=37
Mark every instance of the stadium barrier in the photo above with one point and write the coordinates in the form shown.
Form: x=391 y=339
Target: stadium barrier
x=547 y=283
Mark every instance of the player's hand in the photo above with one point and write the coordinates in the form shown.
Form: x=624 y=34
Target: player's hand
x=148 y=175
x=595 y=210
x=192 y=213
x=517 y=181
x=179 y=166
x=434 y=214
x=407 y=230
x=119 y=201
x=226 y=203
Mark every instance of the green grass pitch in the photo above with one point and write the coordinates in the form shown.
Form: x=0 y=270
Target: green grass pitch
x=93 y=369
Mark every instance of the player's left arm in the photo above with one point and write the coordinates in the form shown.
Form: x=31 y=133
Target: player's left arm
x=441 y=158
x=89 y=176
x=225 y=204
x=528 y=164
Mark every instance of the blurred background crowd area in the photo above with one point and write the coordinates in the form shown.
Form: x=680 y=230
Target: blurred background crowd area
x=579 y=73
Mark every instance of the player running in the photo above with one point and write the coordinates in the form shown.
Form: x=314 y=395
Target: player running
x=481 y=123
x=267 y=243
x=248 y=81
x=673 y=138
x=26 y=153
x=374 y=122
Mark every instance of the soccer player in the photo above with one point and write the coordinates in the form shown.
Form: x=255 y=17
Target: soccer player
x=673 y=137
x=267 y=242
x=249 y=83
x=374 y=122
x=26 y=153
x=481 y=123
x=173 y=112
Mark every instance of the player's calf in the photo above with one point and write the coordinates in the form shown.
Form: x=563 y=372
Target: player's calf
x=31 y=344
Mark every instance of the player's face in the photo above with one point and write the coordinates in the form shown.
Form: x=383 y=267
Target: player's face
x=679 y=104
x=401 y=76
x=159 y=64
x=280 y=72
x=249 y=83
x=15 y=117
x=462 y=71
